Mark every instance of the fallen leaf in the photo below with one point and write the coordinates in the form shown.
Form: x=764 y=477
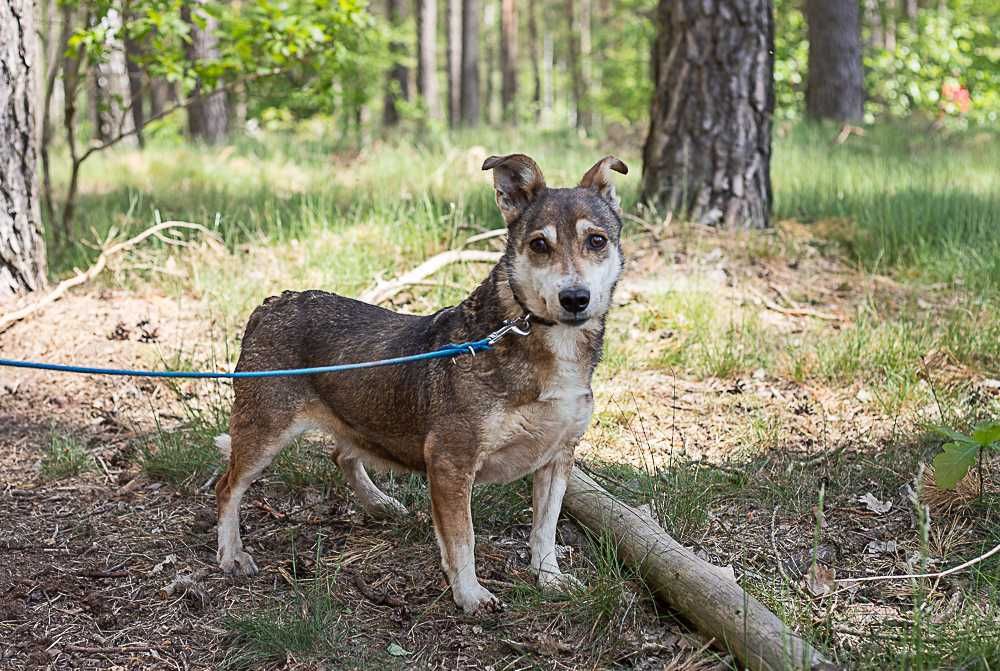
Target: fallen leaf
x=873 y=504
x=819 y=580
x=881 y=547
x=396 y=650
x=168 y=560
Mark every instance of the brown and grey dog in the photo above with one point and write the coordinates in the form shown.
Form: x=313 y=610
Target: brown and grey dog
x=516 y=409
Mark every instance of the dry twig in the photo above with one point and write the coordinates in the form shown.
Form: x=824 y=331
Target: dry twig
x=107 y=253
x=383 y=291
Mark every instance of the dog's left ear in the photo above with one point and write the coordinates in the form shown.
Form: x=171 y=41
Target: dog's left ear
x=598 y=178
x=517 y=180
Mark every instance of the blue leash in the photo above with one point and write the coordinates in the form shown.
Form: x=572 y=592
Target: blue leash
x=521 y=326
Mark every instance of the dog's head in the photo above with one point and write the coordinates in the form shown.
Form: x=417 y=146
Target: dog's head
x=563 y=245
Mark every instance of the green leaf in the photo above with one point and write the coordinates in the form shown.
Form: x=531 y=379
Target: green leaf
x=986 y=433
x=953 y=462
x=954 y=435
x=396 y=650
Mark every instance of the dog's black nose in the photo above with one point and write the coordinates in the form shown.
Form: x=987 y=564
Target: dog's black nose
x=574 y=299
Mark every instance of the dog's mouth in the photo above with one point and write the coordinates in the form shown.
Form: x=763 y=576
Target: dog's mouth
x=575 y=320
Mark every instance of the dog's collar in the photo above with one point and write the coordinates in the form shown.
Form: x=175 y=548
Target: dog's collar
x=528 y=314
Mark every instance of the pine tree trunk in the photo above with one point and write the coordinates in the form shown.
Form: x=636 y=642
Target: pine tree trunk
x=207 y=114
x=427 y=84
x=578 y=14
x=536 y=61
x=111 y=87
x=22 y=253
x=397 y=86
x=508 y=59
x=707 y=155
x=835 y=84
x=454 y=33
x=136 y=88
x=471 y=18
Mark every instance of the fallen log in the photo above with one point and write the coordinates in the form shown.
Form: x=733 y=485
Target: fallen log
x=704 y=594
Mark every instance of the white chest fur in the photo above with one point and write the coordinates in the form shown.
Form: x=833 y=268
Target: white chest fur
x=518 y=441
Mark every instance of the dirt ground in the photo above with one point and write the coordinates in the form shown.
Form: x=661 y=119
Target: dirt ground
x=112 y=570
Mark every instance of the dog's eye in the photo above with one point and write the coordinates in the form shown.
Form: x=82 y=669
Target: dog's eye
x=539 y=246
x=597 y=242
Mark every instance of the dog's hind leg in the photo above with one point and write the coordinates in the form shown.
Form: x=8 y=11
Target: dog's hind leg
x=548 y=488
x=375 y=502
x=251 y=451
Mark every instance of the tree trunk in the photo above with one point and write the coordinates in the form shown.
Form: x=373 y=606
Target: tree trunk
x=508 y=59
x=708 y=151
x=22 y=253
x=471 y=18
x=111 y=86
x=490 y=60
x=397 y=86
x=427 y=83
x=578 y=13
x=454 y=62
x=835 y=84
x=536 y=60
x=136 y=87
x=207 y=114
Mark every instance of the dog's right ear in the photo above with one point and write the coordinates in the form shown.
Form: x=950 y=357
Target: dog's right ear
x=517 y=180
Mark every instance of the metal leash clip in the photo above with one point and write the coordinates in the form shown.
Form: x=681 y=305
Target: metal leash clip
x=521 y=327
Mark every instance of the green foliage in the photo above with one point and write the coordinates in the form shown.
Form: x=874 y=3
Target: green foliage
x=961 y=453
x=791 y=58
x=625 y=73
x=308 y=56
x=956 y=47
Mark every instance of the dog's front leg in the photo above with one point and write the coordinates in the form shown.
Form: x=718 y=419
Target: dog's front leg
x=451 y=508
x=548 y=488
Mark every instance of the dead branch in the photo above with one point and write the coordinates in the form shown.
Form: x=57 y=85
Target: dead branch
x=485 y=235
x=109 y=251
x=704 y=594
x=383 y=291
x=795 y=312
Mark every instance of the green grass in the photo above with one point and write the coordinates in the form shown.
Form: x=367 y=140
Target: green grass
x=925 y=204
x=65 y=457
x=308 y=626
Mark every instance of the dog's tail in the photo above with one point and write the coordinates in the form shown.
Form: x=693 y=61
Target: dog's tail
x=225 y=444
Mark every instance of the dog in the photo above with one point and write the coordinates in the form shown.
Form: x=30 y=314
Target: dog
x=517 y=408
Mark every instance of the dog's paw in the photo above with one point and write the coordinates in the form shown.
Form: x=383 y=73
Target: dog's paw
x=478 y=601
x=556 y=581
x=385 y=508
x=238 y=564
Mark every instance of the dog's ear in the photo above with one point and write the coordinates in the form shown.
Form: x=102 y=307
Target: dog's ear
x=598 y=178
x=517 y=180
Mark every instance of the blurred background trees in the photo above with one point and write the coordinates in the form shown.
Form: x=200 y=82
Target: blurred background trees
x=134 y=71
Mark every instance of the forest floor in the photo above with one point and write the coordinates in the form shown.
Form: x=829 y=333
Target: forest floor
x=770 y=397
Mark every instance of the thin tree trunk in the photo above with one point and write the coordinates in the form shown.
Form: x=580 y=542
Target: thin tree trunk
x=397 y=84
x=56 y=65
x=578 y=14
x=454 y=33
x=159 y=96
x=207 y=115
x=136 y=87
x=889 y=21
x=490 y=60
x=835 y=84
x=427 y=83
x=508 y=59
x=536 y=58
x=708 y=151
x=548 y=75
x=873 y=19
x=22 y=252
x=471 y=19
x=110 y=92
